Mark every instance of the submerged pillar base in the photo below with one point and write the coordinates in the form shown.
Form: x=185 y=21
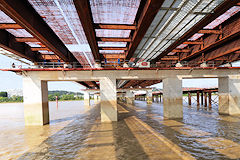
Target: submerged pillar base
x=86 y=99
x=35 y=94
x=172 y=98
x=149 y=97
x=229 y=95
x=108 y=94
x=129 y=97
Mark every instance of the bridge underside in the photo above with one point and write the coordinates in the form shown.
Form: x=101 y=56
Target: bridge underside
x=166 y=33
x=107 y=34
x=36 y=102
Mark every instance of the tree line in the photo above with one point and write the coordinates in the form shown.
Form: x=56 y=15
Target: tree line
x=52 y=96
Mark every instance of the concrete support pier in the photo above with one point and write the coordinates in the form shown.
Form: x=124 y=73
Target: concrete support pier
x=172 y=98
x=95 y=98
x=108 y=95
x=35 y=94
x=129 y=97
x=149 y=96
x=86 y=98
x=229 y=95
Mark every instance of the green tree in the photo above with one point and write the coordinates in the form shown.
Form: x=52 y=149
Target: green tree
x=51 y=97
x=68 y=97
x=3 y=94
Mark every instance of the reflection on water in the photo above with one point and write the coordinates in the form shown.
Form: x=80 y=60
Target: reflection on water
x=75 y=132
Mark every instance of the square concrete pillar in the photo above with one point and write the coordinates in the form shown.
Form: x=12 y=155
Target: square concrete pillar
x=149 y=96
x=35 y=95
x=95 y=98
x=172 y=98
x=129 y=97
x=108 y=95
x=86 y=99
x=229 y=95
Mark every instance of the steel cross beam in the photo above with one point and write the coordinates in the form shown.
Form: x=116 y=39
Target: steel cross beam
x=27 y=17
x=84 y=84
x=95 y=84
x=115 y=26
x=10 y=26
x=8 y=42
x=145 y=19
x=226 y=5
x=223 y=45
x=85 y=16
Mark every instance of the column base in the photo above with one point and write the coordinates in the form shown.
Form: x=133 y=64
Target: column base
x=172 y=109
x=149 y=100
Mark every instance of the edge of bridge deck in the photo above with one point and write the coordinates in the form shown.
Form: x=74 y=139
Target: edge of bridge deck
x=100 y=69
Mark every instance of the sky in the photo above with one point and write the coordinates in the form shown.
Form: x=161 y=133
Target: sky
x=9 y=80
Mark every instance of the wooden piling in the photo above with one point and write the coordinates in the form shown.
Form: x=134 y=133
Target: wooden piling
x=189 y=99
x=198 y=98
x=210 y=100
x=205 y=98
x=202 y=99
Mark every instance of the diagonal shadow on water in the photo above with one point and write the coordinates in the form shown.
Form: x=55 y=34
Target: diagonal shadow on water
x=65 y=143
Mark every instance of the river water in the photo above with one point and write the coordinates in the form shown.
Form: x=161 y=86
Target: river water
x=75 y=132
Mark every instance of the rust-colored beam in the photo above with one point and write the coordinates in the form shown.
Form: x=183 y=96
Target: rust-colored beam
x=170 y=59
x=137 y=83
x=181 y=50
x=85 y=16
x=193 y=42
x=212 y=46
x=7 y=42
x=114 y=56
x=10 y=26
x=112 y=48
x=108 y=39
x=115 y=26
x=95 y=84
x=210 y=31
x=232 y=50
x=226 y=5
x=50 y=57
x=26 y=39
x=149 y=83
x=149 y=12
x=40 y=49
x=84 y=84
x=23 y=13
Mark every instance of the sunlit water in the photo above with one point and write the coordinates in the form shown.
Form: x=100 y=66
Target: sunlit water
x=75 y=132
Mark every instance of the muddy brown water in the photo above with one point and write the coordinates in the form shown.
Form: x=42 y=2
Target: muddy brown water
x=75 y=132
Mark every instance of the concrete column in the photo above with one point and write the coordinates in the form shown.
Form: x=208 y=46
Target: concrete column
x=35 y=94
x=95 y=98
x=229 y=95
x=129 y=97
x=108 y=94
x=86 y=98
x=157 y=98
x=149 y=96
x=172 y=98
